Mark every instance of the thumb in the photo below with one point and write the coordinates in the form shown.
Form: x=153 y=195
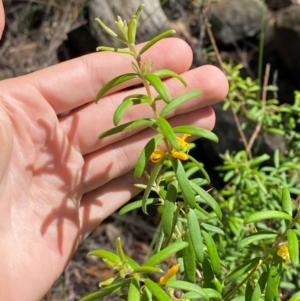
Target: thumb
x=6 y=143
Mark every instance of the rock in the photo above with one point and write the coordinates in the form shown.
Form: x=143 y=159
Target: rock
x=287 y=39
x=152 y=20
x=233 y=20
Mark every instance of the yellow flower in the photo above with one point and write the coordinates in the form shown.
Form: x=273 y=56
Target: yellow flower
x=283 y=252
x=157 y=155
x=171 y=272
x=182 y=153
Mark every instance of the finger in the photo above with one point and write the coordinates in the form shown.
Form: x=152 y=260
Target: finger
x=71 y=84
x=119 y=158
x=84 y=125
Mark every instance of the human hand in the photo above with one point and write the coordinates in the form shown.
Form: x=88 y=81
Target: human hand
x=57 y=181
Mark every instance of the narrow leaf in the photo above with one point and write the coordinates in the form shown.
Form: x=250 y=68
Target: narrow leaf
x=187 y=286
x=147 y=269
x=106 y=28
x=168 y=132
x=114 y=82
x=121 y=109
x=177 y=101
x=189 y=260
x=157 y=291
x=168 y=73
x=268 y=214
x=295 y=297
x=200 y=167
x=134 y=290
x=293 y=247
x=242 y=270
x=127 y=126
x=108 y=290
x=169 y=209
x=256 y=237
x=114 y=49
x=195 y=234
x=136 y=204
x=259 y=287
x=159 y=86
x=145 y=155
x=209 y=200
x=104 y=254
x=184 y=184
x=151 y=181
x=165 y=253
x=287 y=205
x=212 y=252
x=272 y=293
x=196 y=131
x=156 y=39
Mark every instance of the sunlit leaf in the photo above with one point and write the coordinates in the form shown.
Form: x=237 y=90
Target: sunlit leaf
x=195 y=235
x=177 y=101
x=287 y=205
x=212 y=252
x=114 y=82
x=187 y=286
x=168 y=132
x=108 y=290
x=267 y=214
x=157 y=291
x=156 y=39
x=196 y=131
x=256 y=237
x=113 y=49
x=272 y=293
x=104 y=254
x=165 y=253
x=127 y=126
x=259 y=287
x=137 y=204
x=168 y=73
x=134 y=290
x=293 y=247
x=159 y=86
x=121 y=109
x=184 y=183
x=145 y=155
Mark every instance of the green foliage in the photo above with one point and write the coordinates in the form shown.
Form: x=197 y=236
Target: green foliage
x=236 y=244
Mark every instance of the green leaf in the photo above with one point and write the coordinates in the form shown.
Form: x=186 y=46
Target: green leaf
x=272 y=293
x=212 y=252
x=136 y=204
x=114 y=82
x=195 y=234
x=121 y=109
x=242 y=270
x=127 y=126
x=106 y=28
x=156 y=39
x=147 y=269
x=212 y=294
x=146 y=295
x=295 y=297
x=256 y=237
x=267 y=214
x=209 y=200
x=157 y=291
x=168 y=132
x=134 y=290
x=132 y=30
x=108 y=290
x=114 y=49
x=165 y=253
x=187 y=286
x=259 y=287
x=168 y=73
x=145 y=155
x=293 y=247
x=257 y=161
x=177 y=101
x=196 y=131
x=104 y=254
x=159 y=86
x=287 y=205
x=151 y=181
x=169 y=209
x=200 y=167
x=184 y=183
x=189 y=260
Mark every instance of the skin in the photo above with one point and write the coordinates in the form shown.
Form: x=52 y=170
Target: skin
x=57 y=181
